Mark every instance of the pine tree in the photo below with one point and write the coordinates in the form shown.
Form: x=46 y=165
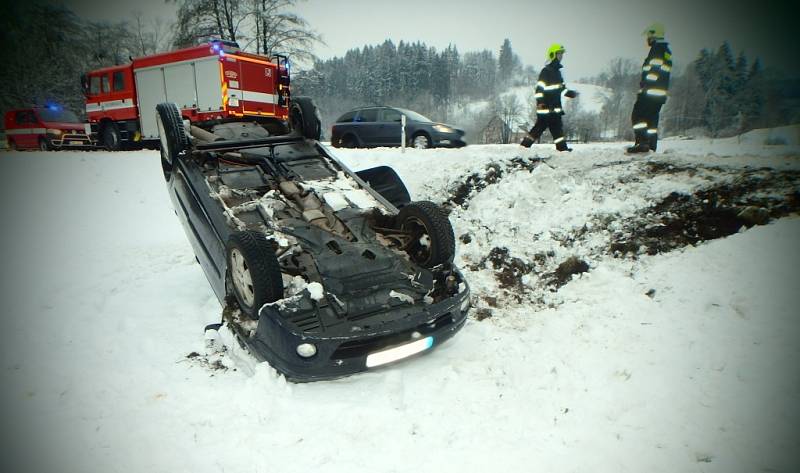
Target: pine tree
x=505 y=63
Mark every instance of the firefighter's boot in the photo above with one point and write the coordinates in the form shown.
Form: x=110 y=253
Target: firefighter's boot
x=652 y=141
x=563 y=146
x=527 y=141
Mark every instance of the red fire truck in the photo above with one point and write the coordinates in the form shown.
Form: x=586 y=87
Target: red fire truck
x=211 y=83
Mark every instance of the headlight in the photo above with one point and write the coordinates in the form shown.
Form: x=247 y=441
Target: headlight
x=306 y=350
x=54 y=131
x=443 y=129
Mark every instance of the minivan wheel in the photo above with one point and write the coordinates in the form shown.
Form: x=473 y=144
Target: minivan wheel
x=349 y=141
x=421 y=141
x=254 y=271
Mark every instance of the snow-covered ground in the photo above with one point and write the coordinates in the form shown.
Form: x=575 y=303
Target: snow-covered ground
x=681 y=361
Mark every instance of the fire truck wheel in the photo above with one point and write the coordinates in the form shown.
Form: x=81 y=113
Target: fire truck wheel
x=304 y=117
x=44 y=145
x=171 y=133
x=111 y=138
x=11 y=145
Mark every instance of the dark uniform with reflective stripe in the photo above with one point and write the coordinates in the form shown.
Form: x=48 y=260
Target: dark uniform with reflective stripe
x=652 y=95
x=548 y=106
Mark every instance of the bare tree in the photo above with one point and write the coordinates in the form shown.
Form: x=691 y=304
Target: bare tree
x=279 y=31
x=509 y=109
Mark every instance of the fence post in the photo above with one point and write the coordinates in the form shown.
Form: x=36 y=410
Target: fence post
x=403 y=133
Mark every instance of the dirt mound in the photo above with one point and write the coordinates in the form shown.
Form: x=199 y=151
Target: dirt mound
x=492 y=174
x=752 y=198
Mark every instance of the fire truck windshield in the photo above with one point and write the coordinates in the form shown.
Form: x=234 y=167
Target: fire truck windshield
x=57 y=115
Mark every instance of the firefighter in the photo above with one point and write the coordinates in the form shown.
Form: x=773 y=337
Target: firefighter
x=653 y=90
x=548 y=101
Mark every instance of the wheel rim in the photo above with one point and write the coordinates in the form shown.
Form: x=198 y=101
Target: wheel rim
x=242 y=280
x=42 y=145
x=162 y=137
x=419 y=245
x=421 y=142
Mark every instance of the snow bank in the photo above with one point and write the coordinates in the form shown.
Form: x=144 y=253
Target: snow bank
x=684 y=361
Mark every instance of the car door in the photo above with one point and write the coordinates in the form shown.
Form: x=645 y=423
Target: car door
x=389 y=127
x=28 y=134
x=366 y=126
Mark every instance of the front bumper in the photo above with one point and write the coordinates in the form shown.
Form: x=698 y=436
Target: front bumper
x=449 y=140
x=276 y=342
x=73 y=140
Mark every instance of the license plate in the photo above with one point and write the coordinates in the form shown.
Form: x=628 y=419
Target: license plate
x=398 y=353
x=76 y=142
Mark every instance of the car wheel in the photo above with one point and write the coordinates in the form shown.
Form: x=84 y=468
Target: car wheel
x=111 y=138
x=171 y=134
x=44 y=145
x=428 y=235
x=421 y=141
x=254 y=271
x=349 y=141
x=304 y=117
x=12 y=145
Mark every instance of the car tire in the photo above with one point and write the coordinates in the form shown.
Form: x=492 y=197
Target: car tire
x=44 y=145
x=254 y=271
x=430 y=238
x=421 y=141
x=349 y=141
x=12 y=146
x=304 y=117
x=172 y=135
x=111 y=137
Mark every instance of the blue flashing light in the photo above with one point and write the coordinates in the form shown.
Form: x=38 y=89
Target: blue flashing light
x=53 y=107
x=221 y=53
x=215 y=46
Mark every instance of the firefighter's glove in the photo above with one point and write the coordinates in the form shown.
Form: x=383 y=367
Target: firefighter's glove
x=571 y=94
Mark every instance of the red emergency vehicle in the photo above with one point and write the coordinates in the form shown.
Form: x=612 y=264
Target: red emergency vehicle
x=45 y=128
x=210 y=83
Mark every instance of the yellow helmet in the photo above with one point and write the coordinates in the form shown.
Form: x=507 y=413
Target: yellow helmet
x=553 y=50
x=656 y=30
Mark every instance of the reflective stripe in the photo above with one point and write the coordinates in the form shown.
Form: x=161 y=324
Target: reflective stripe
x=540 y=84
x=558 y=140
x=652 y=131
x=553 y=87
x=657 y=92
x=543 y=111
x=646 y=68
x=652 y=76
x=109 y=105
x=539 y=95
x=557 y=110
x=640 y=125
x=666 y=68
x=657 y=62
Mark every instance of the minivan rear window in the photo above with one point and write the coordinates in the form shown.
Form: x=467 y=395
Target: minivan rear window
x=347 y=117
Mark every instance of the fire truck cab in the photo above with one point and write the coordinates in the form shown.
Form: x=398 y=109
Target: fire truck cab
x=211 y=83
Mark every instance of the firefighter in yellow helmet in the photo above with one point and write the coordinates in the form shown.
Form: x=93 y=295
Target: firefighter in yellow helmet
x=548 y=101
x=652 y=92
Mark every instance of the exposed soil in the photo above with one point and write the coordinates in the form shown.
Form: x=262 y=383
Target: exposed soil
x=736 y=199
x=476 y=182
x=752 y=198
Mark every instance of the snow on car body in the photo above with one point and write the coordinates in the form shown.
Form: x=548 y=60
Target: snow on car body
x=376 y=283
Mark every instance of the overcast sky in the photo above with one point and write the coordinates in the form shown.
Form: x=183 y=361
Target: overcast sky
x=593 y=32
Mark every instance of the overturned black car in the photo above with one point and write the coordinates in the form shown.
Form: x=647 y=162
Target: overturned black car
x=323 y=272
